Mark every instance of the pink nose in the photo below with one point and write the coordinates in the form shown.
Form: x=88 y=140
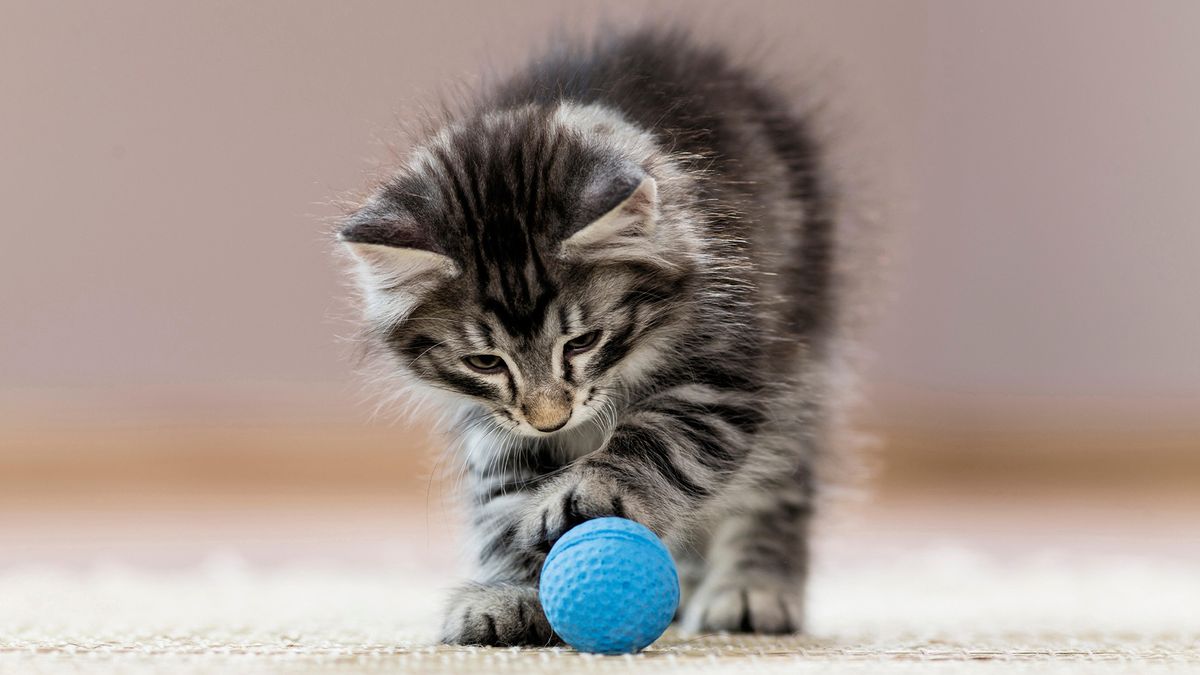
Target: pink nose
x=548 y=414
x=555 y=427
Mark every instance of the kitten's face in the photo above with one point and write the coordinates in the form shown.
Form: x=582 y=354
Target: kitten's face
x=548 y=368
x=518 y=263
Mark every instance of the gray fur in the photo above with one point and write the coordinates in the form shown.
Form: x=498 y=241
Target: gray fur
x=647 y=189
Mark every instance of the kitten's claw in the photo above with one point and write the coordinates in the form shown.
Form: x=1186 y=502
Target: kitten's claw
x=580 y=495
x=496 y=615
x=765 y=606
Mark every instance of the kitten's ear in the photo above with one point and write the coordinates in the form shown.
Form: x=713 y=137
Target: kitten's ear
x=396 y=260
x=622 y=227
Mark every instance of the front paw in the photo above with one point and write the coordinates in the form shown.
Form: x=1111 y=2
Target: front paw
x=763 y=605
x=495 y=616
x=583 y=493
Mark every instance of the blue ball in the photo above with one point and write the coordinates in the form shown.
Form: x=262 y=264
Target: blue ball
x=609 y=586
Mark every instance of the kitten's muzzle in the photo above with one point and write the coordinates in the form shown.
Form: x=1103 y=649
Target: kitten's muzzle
x=548 y=413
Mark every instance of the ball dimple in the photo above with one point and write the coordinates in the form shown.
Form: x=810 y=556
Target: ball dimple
x=609 y=586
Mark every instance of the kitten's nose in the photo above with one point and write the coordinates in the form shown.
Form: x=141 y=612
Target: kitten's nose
x=553 y=427
x=548 y=413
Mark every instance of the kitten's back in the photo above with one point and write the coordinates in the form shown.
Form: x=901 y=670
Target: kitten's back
x=760 y=162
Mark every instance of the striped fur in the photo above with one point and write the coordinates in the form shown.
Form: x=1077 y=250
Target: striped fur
x=617 y=266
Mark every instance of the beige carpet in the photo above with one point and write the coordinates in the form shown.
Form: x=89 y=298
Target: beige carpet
x=938 y=610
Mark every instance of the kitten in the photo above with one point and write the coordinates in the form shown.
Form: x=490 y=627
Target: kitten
x=616 y=271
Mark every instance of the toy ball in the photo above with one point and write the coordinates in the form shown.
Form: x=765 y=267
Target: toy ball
x=609 y=586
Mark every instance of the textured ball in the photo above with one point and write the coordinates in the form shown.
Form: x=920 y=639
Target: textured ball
x=609 y=586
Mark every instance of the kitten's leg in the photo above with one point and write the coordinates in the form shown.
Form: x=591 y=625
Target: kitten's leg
x=689 y=557
x=501 y=607
x=757 y=567
x=670 y=457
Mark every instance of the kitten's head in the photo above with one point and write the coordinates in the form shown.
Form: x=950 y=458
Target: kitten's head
x=526 y=260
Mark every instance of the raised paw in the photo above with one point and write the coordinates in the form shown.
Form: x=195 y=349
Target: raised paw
x=765 y=606
x=496 y=615
x=581 y=494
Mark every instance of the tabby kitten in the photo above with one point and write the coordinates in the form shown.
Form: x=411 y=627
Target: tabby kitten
x=615 y=273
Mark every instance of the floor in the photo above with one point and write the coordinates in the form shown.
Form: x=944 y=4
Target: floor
x=903 y=583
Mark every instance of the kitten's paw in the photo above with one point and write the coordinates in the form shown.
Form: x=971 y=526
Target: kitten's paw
x=746 y=606
x=581 y=494
x=496 y=615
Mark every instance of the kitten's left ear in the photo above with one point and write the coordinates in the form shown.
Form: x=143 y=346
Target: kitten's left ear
x=625 y=215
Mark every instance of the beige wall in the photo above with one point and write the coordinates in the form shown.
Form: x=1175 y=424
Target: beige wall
x=167 y=170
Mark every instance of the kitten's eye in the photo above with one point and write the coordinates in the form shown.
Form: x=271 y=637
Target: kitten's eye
x=485 y=363
x=582 y=343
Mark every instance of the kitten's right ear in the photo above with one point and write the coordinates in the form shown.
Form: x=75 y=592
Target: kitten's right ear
x=396 y=260
x=620 y=217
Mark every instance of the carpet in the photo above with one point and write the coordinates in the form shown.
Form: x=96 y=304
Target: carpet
x=946 y=610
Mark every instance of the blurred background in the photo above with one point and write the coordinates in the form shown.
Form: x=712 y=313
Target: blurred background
x=173 y=375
